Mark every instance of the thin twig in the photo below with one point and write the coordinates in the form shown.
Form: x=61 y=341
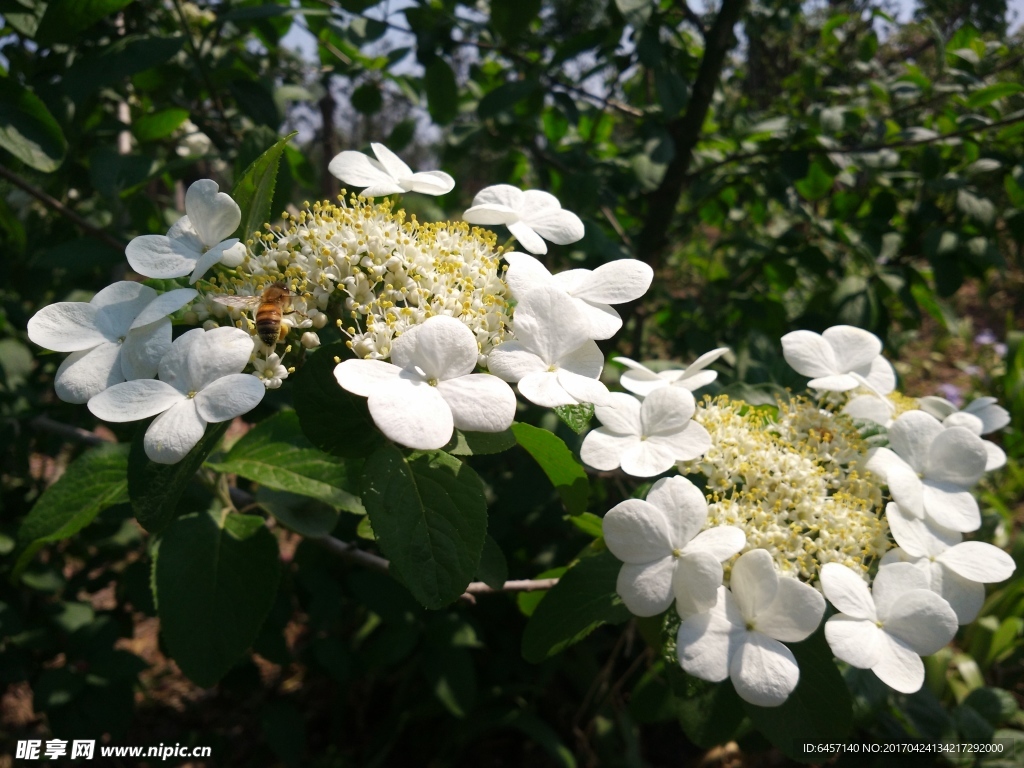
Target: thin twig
x=56 y=205
x=46 y=424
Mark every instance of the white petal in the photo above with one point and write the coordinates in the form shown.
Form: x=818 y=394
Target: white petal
x=703 y=642
x=357 y=169
x=586 y=360
x=430 y=183
x=412 y=413
x=527 y=238
x=231 y=255
x=684 y=507
x=754 y=582
x=524 y=273
x=67 y=326
x=173 y=367
x=603 y=450
x=704 y=361
x=647 y=589
x=442 y=348
x=951 y=507
x=214 y=214
x=722 y=542
x=639 y=384
x=869 y=407
x=968 y=421
x=382 y=188
x=163 y=305
x=511 y=362
x=809 y=354
x=939 y=407
x=904 y=484
x=763 y=671
x=122 y=301
x=646 y=459
x=217 y=353
x=555 y=225
x=978 y=561
x=956 y=456
x=616 y=282
x=620 y=413
x=847 y=592
x=637 y=532
x=500 y=194
x=364 y=377
x=542 y=388
x=392 y=164
x=174 y=433
x=794 y=614
x=911 y=436
x=698 y=576
x=853 y=347
x=144 y=348
x=858 y=642
x=996 y=458
x=134 y=400
x=667 y=411
x=229 y=396
x=583 y=389
x=697 y=380
x=604 y=321
x=898 y=666
x=841 y=382
x=479 y=402
x=87 y=373
x=894 y=581
x=688 y=444
x=880 y=375
x=922 y=620
x=159 y=256
x=964 y=596
x=916 y=535
x=992 y=416
x=215 y=255
x=547 y=323
x=490 y=215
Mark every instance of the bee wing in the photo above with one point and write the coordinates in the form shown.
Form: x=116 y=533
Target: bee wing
x=240 y=302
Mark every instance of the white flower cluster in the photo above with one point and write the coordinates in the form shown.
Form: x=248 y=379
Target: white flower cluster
x=800 y=497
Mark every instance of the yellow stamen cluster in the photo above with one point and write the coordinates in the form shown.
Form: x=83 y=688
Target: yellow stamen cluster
x=795 y=486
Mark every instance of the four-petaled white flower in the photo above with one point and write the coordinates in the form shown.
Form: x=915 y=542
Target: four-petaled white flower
x=664 y=551
x=197 y=240
x=200 y=382
x=553 y=358
x=641 y=380
x=930 y=470
x=593 y=291
x=531 y=216
x=646 y=437
x=119 y=335
x=840 y=359
x=888 y=628
x=741 y=636
x=981 y=416
x=429 y=388
x=956 y=570
x=270 y=371
x=870 y=408
x=387 y=175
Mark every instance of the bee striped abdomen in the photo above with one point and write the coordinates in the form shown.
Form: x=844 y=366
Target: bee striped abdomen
x=268 y=323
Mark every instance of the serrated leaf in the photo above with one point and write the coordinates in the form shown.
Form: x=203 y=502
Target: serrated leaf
x=94 y=481
x=564 y=472
x=254 y=191
x=583 y=600
x=332 y=419
x=65 y=20
x=575 y=417
x=429 y=517
x=28 y=130
x=277 y=454
x=216 y=580
x=155 y=489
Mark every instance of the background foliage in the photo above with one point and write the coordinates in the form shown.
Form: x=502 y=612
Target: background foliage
x=779 y=164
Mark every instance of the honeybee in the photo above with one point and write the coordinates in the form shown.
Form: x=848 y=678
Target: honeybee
x=270 y=305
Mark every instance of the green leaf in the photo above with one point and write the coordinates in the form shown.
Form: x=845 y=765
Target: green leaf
x=589 y=523
x=94 y=481
x=112 y=63
x=709 y=713
x=333 y=419
x=299 y=513
x=430 y=519
x=575 y=417
x=990 y=93
x=367 y=99
x=215 y=582
x=635 y=12
x=28 y=130
x=276 y=454
x=511 y=20
x=442 y=91
x=254 y=192
x=582 y=600
x=65 y=20
x=820 y=709
x=505 y=97
x=480 y=443
x=564 y=472
x=493 y=568
x=156 y=488
x=159 y=124
x=816 y=184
